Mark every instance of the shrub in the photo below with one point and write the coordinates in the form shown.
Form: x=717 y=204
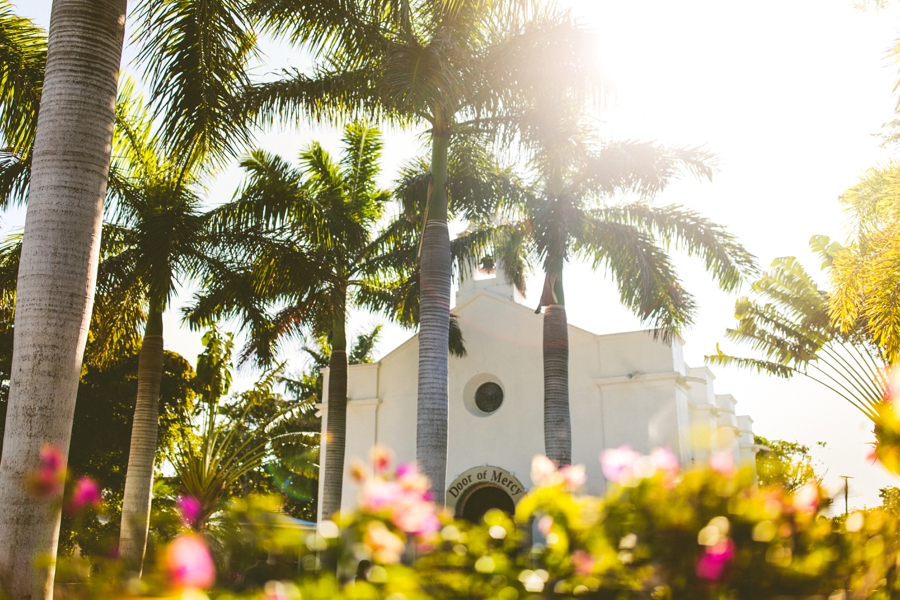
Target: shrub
x=657 y=533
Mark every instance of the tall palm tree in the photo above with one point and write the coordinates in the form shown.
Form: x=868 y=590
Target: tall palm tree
x=568 y=213
x=789 y=327
x=159 y=236
x=323 y=213
x=456 y=66
x=73 y=147
x=57 y=270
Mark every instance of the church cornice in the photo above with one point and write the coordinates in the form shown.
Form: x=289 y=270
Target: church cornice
x=640 y=378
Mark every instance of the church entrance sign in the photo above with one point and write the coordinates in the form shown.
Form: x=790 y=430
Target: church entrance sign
x=483 y=485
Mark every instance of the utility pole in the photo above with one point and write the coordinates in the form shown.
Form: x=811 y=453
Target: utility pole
x=846 y=479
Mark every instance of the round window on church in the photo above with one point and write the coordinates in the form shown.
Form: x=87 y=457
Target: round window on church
x=488 y=397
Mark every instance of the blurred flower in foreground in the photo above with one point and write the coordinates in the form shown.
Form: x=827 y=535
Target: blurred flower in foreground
x=189 y=564
x=887 y=423
x=404 y=498
x=545 y=473
x=50 y=477
x=718 y=551
x=806 y=499
x=543 y=470
x=627 y=467
x=85 y=495
x=386 y=547
x=188 y=509
x=722 y=463
x=280 y=590
x=583 y=562
x=712 y=564
x=618 y=464
x=381 y=458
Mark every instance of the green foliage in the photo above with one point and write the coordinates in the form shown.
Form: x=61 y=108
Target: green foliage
x=214 y=365
x=698 y=534
x=196 y=55
x=890 y=500
x=23 y=56
x=101 y=435
x=785 y=465
x=865 y=271
x=787 y=323
x=569 y=210
x=234 y=438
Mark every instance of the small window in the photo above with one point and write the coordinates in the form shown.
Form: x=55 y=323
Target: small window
x=488 y=397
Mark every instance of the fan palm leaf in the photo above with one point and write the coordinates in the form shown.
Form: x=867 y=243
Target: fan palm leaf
x=788 y=324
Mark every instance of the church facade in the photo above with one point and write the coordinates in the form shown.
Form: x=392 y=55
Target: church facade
x=624 y=389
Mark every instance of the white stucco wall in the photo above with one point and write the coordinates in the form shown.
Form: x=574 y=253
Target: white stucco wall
x=624 y=389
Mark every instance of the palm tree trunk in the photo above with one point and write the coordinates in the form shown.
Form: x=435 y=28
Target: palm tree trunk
x=557 y=423
x=57 y=273
x=144 y=439
x=434 y=326
x=336 y=436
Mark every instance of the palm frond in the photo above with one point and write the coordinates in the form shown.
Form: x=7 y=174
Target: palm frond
x=456 y=341
x=787 y=324
x=327 y=96
x=643 y=272
x=15 y=177
x=723 y=256
x=270 y=194
x=195 y=53
x=23 y=57
x=643 y=167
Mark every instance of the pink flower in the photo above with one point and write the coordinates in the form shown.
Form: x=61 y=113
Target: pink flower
x=189 y=563
x=381 y=458
x=712 y=564
x=664 y=460
x=545 y=523
x=189 y=509
x=583 y=562
x=722 y=463
x=407 y=499
x=386 y=547
x=806 y=499
x=405 y=470
x=543 y=471
x=48 y=480
x=412 y=510
x=416 y=516
x=618 y=464
x=892 y=386
x=573 y=477
x=377 y=494
x=409 y=478
x=275 y=590
x=86 y=494
x=52 y=459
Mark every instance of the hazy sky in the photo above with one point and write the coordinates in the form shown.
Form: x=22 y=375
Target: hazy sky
x=788 y=94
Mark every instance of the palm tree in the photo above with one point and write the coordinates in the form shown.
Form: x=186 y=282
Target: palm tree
x=567 y=214
x=789 y=326
x=324 y=214
x=457 y=66
x=57 y=270
x=158 y=236
x=866 y=271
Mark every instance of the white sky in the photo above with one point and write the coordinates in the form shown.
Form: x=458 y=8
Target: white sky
x=788 y=95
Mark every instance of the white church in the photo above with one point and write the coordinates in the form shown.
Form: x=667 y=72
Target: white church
x=624 y=389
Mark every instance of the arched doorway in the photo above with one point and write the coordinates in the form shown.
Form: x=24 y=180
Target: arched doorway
x=480 y=489
x=477 y=501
